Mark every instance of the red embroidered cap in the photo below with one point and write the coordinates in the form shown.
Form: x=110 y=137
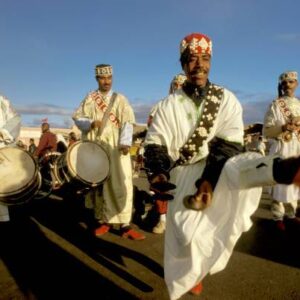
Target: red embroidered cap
x=197 y=43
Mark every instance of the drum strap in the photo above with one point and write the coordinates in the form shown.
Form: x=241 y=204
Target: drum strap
x=106 y=114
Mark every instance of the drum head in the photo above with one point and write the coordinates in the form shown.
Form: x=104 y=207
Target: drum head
x=17 y=170
x=88 y=161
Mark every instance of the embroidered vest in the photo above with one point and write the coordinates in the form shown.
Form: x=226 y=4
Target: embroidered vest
x=207 y=120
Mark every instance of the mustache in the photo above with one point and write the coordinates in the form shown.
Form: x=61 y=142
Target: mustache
x=195 y=72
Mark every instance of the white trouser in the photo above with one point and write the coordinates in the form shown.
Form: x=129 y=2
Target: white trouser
x=4 y=214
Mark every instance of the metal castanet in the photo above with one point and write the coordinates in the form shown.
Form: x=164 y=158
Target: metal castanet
x=198 y=202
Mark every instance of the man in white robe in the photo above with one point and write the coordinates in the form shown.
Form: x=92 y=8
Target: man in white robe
x=194 y=132
x=10 y=125
x=107 y=118
x=282 y=123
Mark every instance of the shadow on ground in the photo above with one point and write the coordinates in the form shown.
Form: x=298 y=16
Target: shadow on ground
x=265 y=241
x=44 y=270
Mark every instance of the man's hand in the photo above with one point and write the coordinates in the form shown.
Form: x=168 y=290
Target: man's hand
x=160 y=186
x=201 y=199
x=296 y=121
x=95 y=124
x=124 y=149
x=293 y=125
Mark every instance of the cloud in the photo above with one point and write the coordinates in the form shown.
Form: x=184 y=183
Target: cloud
x=142 y=111
x=288 y=37
x=254 y=112
x=44 y=109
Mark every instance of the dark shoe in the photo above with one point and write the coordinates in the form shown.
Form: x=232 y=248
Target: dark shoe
x=133 y=235
x=104 y=228
x=197 y=289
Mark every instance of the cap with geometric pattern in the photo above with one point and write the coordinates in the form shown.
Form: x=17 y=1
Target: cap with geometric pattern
x=196 y=43
x=103 y=70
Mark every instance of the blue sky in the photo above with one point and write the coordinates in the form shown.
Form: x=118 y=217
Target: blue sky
x=48 y=50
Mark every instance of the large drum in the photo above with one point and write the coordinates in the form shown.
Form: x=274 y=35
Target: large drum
x=19 y=176
x=85 y=164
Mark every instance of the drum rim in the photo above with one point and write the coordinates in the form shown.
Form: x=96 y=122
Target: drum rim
x=72 y=171
x=29 y=183
x=34 y=188
x=56 y=170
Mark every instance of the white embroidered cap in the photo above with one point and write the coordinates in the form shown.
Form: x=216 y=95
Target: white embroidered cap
x=103 y=70
x=288 y=75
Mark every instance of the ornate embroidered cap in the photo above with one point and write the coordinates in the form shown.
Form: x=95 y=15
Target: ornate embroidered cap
x=196 y=43
x=288 y=75
x=103 y=70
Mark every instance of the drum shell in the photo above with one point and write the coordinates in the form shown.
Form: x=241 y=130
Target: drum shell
x=65 y=170
x=19 y=164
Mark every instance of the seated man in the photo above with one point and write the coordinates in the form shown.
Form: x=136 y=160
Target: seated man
x=46 y=146
x=47 y=143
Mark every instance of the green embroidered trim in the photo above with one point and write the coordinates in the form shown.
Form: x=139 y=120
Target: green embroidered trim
x=189 y=116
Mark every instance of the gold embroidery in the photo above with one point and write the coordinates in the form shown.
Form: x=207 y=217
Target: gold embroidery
x=286 y=136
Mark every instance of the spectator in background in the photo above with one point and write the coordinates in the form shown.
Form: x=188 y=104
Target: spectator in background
x=32 y=146
x=47 y=143
x=21 y=145
x=261 y=146
x=72 y=138
x=282 y=125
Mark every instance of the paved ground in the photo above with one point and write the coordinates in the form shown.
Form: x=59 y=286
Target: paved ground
x=52 y=255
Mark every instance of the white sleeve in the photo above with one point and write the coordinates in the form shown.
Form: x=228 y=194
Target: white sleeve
x=12 y=121
x=84 y=124
x=126 y=135
x=230 y=122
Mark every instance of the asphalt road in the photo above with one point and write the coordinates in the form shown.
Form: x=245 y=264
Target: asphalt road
x=48 y=252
